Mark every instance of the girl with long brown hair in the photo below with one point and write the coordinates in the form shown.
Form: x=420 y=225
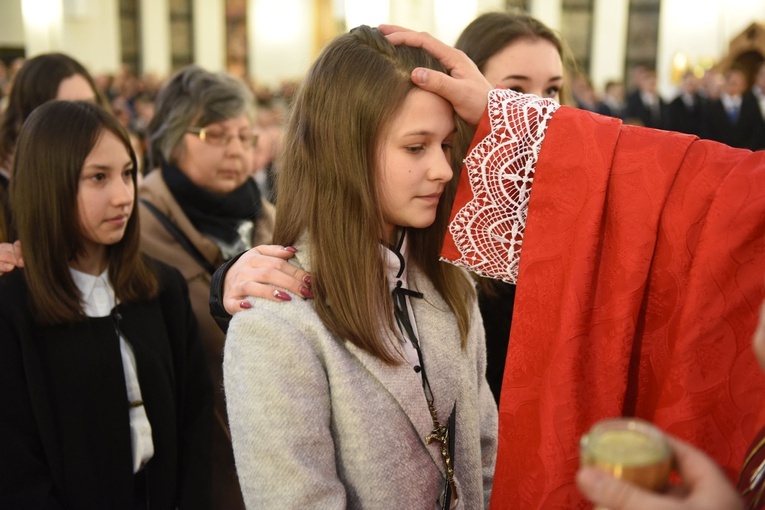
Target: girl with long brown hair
x=107 y=396
x=373 y=394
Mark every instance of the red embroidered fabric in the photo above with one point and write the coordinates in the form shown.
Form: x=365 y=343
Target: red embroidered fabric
x=639 y=284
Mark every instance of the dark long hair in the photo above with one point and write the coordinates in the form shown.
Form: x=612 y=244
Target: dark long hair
x=51 y=150
x=491 y=32
x=36 y=83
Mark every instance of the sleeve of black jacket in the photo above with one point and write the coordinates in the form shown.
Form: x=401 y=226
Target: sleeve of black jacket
x=218 y=312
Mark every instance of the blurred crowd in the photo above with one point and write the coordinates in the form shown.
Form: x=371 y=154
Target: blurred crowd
x=723 y=105
x=727 y=106
x=131 y=99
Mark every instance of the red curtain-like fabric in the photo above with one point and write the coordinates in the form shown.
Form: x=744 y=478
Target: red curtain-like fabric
x=640 y=279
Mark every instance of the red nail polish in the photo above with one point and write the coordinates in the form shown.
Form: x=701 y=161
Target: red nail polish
x=306 y=292
x=278 y=294
x=290 y=249
x=307 y=280
x=244 y=305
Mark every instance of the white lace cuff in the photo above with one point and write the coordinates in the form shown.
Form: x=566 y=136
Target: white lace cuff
x=488 y=230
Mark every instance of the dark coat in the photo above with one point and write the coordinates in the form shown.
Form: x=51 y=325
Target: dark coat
x=636 y=110
x=748 y=132
x=685 y=119
x=64 y=430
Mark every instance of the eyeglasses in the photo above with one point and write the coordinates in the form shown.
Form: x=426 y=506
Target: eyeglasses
x=218 y=138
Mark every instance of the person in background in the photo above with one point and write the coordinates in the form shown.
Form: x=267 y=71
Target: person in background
x=645 y=107
x=199 y=207
x=613 y=103
x=734 y=119
x=758 y=89
x=638 y=261
x=712 y=84
x=584 y=93
x=685 y=113
x=270 y=130
x=40 y=79
x=11 y=71
x=373 y=394
x=704 y=485
x=518 y=52
x=107 y=400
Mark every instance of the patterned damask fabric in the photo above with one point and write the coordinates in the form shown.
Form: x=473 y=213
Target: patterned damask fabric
x=488 y=230
x=638 y=287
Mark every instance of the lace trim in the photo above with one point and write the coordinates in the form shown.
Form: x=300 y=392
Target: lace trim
x=488 y=230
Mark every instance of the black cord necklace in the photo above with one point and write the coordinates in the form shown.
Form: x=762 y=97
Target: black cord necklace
x=440 y=431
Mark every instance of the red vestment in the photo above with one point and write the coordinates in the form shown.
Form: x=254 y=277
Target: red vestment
x=639 y=285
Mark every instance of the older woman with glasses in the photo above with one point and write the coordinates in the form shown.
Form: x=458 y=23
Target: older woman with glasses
x=199 y=207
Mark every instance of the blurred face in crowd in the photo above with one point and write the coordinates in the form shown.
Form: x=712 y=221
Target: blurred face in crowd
x=735 y=83
x=218 y=159
x=75 y=88
x=690 y=84
x=616 y=91
x=648 y=82
x=759 y=78
x=531 y=66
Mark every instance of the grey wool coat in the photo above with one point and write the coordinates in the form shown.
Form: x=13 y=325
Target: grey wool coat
x=318 y=423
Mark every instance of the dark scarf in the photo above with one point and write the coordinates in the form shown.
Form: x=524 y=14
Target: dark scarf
x=215 y=216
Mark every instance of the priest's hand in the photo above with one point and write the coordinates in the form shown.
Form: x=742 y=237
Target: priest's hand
x=464 y=87
x=705 y=487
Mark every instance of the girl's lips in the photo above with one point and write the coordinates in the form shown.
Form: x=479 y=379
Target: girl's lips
x=435 y=197
x=118 y=220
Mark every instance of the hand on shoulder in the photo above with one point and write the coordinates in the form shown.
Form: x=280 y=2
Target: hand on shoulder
x=264 y=271
x=10 y=257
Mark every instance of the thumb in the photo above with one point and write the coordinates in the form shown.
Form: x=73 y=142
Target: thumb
x=430 y=80
x=17 y=254
x=467 y=98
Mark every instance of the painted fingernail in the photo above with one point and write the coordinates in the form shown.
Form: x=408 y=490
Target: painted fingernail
x=278 y=294
x=244 y=305
x=307 y=280
x=291 y=249
x=306 y=292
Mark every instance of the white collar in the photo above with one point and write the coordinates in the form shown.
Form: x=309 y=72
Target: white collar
x=730 y=101
x=97 y=293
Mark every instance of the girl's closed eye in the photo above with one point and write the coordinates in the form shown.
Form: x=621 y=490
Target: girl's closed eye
x=414 y=149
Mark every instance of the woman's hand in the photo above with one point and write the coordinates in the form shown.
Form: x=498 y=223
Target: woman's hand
x=464 y=87
x=10 y=257
x=263 y=272
x=705 y=486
